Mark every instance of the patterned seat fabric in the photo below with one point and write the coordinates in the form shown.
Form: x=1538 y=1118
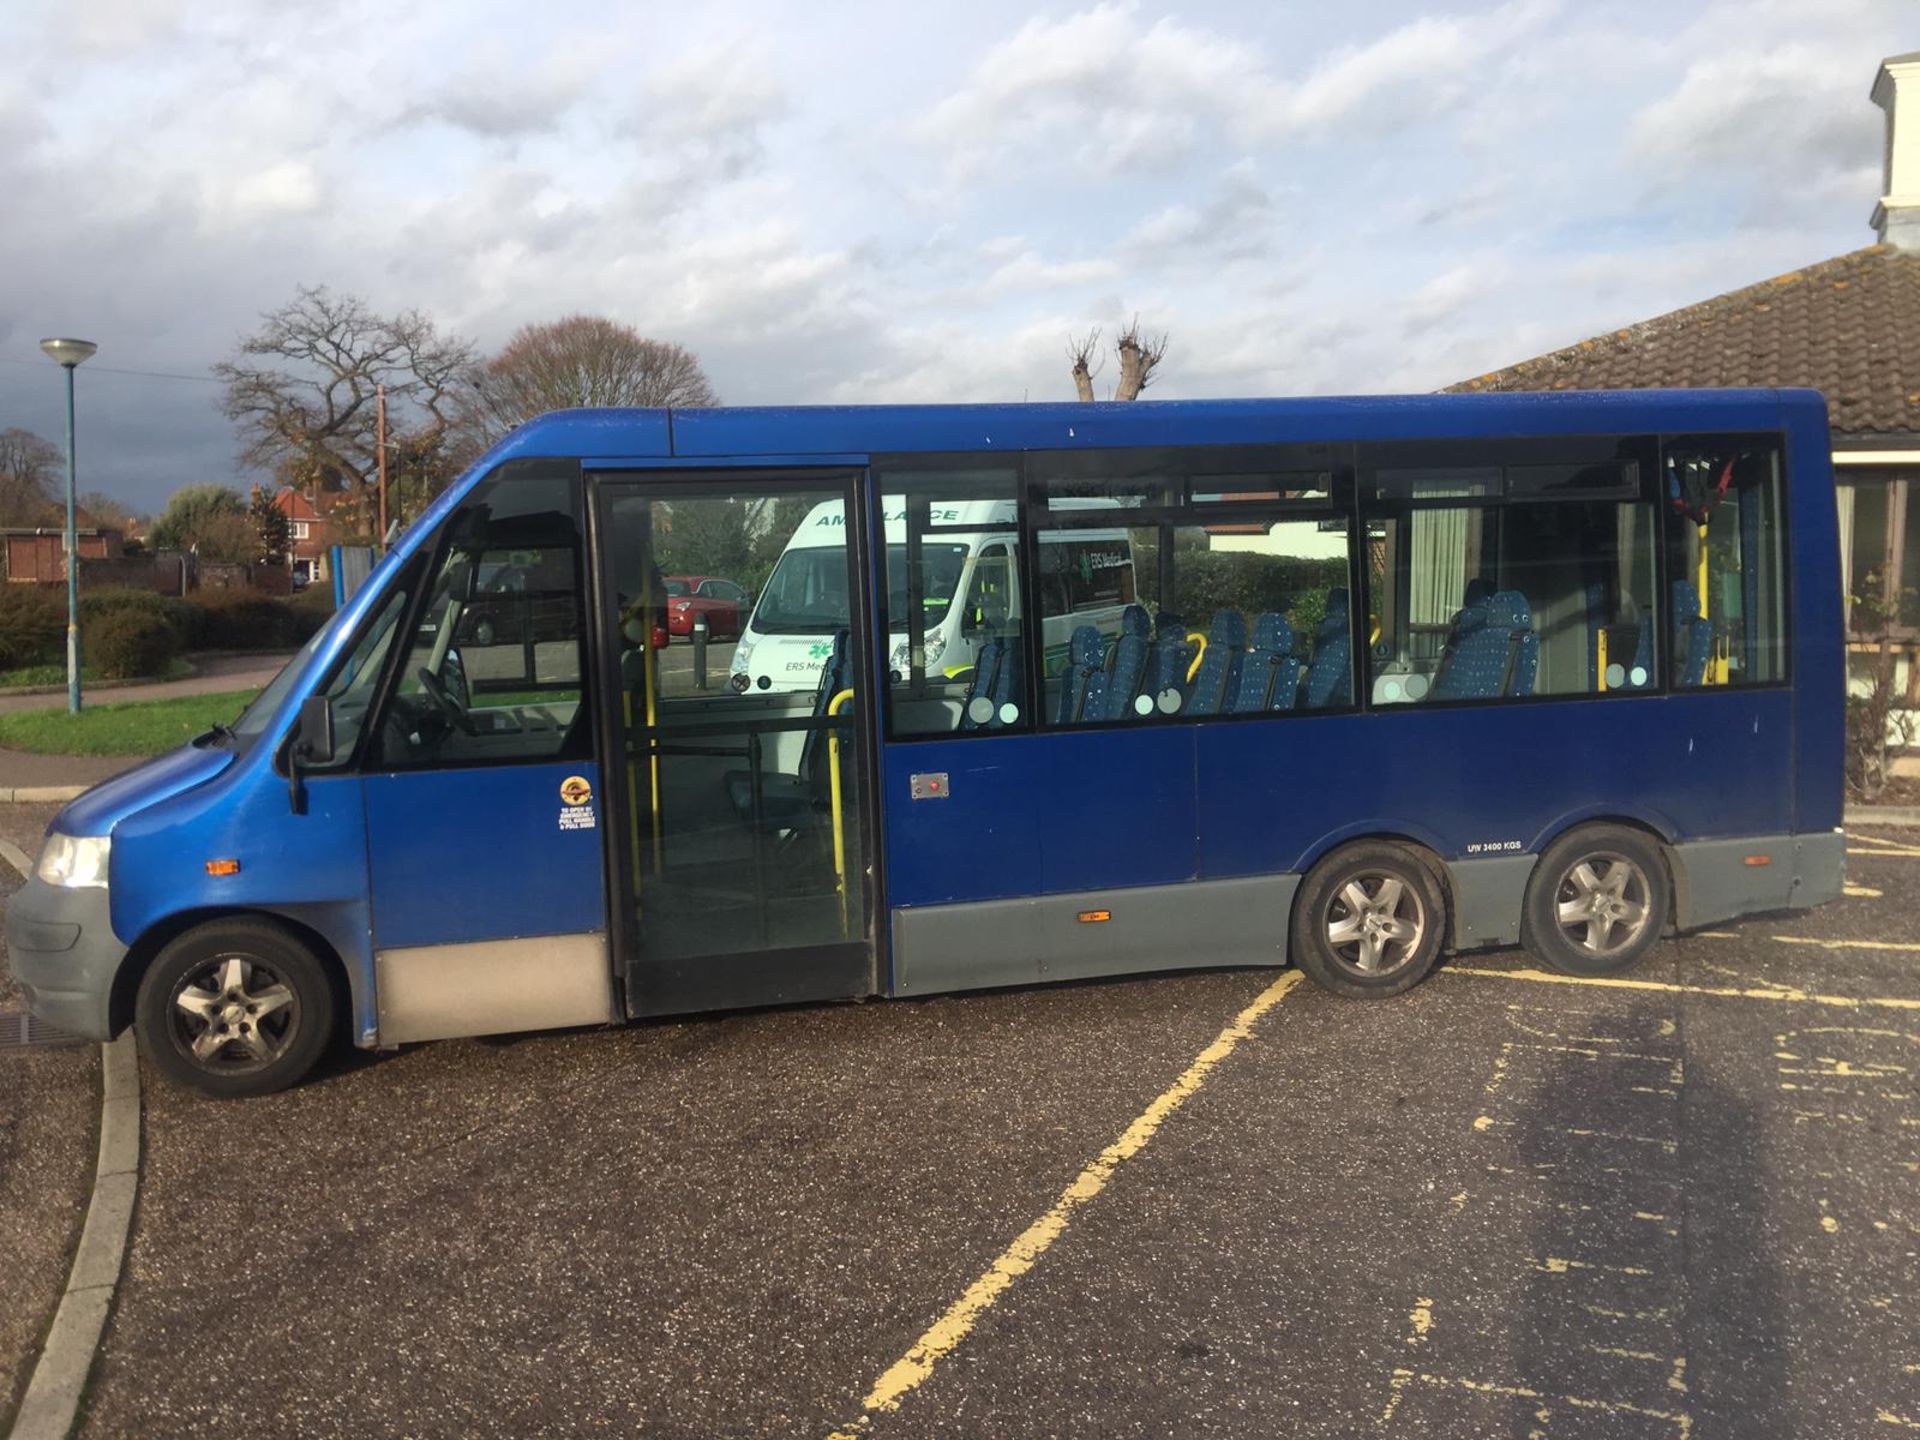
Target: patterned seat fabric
x=1220 y=666
x=1084 y=682
x=1692 y=637
x=1329 y=675
x=1127 y=663
x=1642 y=653
x=996 y=681
x=1497 y=652
x=1269 y=673
x=1170 y=658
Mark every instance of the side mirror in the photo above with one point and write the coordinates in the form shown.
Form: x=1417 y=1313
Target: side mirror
x=313 y=741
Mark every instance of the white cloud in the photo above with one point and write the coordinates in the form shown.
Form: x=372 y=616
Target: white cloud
x=287 y=187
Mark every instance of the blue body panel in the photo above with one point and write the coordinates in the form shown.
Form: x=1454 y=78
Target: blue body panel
x=111 y=801
x=465 y=855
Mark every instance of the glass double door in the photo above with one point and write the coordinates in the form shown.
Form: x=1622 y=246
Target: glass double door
x=740 y=791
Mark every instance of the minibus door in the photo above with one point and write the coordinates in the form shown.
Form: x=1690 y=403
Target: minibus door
x=739 y=784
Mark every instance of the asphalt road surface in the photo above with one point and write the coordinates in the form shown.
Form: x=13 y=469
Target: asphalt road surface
x=1212 y=1204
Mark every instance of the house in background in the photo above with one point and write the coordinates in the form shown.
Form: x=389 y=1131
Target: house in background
x=313 y=536
x=1848 y=327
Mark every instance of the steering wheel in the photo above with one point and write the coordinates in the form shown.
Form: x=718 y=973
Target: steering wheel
x=443 y=701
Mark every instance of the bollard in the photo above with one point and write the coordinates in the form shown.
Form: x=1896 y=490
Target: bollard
x=700 y=628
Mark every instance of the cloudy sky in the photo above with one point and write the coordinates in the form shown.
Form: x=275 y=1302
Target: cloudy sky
x=881 y=202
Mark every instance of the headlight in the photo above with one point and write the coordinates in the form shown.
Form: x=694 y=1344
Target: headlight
x=936 y=646
x=75 y=861
x=740 y=653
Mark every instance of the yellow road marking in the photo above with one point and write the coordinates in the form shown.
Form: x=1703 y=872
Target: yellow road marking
x=1886 y=840
x=953 y=1327
x=1887 y=1417
x=1667 y=987
x=1421 y=1319
x=1865 y=892
x=1893 y=854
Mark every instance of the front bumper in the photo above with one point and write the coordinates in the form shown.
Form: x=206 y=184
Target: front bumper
x=62 y=949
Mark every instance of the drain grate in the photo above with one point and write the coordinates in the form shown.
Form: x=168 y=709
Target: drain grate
x=18 y=1028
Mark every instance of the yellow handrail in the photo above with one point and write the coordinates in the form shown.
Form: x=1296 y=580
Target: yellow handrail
x=1600 y=658
x=839 y=822
x=1198 y=655
x=653 y=742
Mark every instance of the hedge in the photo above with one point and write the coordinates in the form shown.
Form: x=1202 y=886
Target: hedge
x=1207 y=581
x=128 y=643
x=33 y=626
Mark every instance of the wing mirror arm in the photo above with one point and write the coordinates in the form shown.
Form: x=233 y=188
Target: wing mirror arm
x=312 y=745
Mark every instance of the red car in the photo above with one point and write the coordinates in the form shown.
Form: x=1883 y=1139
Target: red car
x=723 y=603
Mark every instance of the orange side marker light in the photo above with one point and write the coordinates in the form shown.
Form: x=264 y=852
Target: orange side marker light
x=1094 y=917
x=1758 y=860
x=223 y=867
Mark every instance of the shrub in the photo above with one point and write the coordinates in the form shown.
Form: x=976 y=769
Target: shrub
x=127 y=644
x=33 y=625
x=312 y=608
x=175 y=612
x=250 y=621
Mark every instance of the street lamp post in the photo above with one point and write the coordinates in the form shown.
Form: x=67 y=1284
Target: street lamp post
x=69 y=354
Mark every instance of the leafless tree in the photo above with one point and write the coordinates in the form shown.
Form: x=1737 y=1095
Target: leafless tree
x=29 y=468
x=582 y=360
x=1140 y=354
x=301 y=389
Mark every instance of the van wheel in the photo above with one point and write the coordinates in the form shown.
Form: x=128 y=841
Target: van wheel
x=1597 y=901
x=1368 y=921
x=235 y=1007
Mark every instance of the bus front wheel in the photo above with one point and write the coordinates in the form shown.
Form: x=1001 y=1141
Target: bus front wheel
x=1368 y=921
x=235 y=1007
x=1597 y=900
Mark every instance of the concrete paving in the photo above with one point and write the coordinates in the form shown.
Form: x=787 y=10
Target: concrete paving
x=1500 y=1205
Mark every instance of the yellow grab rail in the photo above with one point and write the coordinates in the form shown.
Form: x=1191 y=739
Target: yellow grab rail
x=653 y=742
x=839 y=821
x=1600 y=659
x=1198 y=655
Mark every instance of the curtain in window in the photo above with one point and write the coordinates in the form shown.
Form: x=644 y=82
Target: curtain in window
x=1438 y=577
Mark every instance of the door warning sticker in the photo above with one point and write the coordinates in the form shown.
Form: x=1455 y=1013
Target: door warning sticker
x=576 y=803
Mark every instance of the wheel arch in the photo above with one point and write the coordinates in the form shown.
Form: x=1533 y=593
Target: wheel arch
x=140 y=955
x=1663 y=836
x=1423 y=844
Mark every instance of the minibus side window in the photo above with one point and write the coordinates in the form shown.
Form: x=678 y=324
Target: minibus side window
x=493 y=672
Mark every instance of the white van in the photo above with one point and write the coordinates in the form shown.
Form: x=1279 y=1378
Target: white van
x=1088 y=576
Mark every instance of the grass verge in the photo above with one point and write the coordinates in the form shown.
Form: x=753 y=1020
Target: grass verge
x=142 y=727
x=35 y=675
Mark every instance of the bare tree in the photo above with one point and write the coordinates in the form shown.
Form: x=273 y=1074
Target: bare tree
x=1140 y=355
x=29 y=468
x=301 y=389
x=582 y=360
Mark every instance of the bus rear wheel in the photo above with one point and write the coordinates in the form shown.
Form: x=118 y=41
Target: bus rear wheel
x=1598 y=901
x=1368 y=921
x=234 y=1008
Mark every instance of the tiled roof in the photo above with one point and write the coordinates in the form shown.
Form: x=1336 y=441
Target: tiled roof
x=1848 y=327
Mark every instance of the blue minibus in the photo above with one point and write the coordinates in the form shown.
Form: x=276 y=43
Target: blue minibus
x=1373 y=680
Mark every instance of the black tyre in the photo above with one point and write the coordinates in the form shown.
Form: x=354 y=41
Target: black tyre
x=1368 y=921
x=1597 y=902
x=235 y=1007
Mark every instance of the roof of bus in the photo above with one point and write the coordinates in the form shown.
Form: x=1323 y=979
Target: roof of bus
x=858 y=430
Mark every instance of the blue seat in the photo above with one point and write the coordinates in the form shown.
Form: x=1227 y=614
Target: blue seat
x=1642 y=653
x=1086 y=660
x=1497 y=652
x=1127 y=663
x=1170 y=658
x=1692 y=637
x=1269 y=672
x=996 y=682
x=1330 y=673
x=1219 y=669
x=790 y=802
x=1509 y=608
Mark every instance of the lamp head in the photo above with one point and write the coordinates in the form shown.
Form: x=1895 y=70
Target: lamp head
x=68 y=352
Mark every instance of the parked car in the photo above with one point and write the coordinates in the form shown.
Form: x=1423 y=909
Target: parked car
x=722 y=601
